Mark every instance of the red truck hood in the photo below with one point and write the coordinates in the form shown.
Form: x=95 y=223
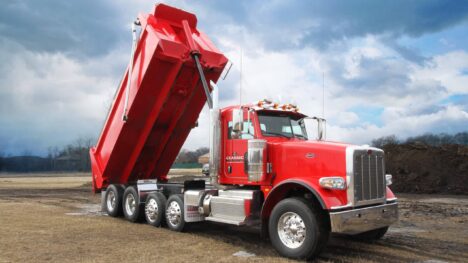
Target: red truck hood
x=308 y=158
x=298 y=146
x=307 y=162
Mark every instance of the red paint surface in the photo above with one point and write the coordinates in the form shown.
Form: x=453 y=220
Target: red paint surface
x=165 y=100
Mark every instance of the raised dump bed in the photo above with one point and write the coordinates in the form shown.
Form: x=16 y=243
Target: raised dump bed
x=164 y=100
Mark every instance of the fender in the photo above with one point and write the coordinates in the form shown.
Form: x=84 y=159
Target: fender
x=278 y=187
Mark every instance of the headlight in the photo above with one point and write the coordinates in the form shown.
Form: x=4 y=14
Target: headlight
x=333 y=183
x=388 y=179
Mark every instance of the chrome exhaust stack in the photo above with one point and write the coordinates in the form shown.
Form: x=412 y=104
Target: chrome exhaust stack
x=215 y=138
x=215 y=123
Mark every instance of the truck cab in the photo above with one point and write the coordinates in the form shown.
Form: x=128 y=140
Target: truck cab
x=269 y=147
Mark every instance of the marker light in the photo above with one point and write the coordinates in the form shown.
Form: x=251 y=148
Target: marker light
x=332 y=183
x=388 y=179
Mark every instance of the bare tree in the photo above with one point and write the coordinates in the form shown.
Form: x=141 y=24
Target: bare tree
x=386 y=140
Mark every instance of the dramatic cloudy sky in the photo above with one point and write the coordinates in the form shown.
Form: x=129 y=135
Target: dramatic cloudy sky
x=390 y=67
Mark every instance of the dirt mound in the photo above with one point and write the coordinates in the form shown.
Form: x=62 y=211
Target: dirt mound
x=420 y=168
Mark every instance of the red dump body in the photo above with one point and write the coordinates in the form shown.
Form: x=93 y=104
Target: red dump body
x=165 y=99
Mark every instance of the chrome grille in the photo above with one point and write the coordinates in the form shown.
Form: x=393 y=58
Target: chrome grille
x=369 y=177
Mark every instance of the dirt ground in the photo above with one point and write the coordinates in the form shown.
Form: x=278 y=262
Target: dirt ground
x=58 y=219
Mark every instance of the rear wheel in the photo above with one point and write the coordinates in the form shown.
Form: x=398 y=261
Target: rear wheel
x=113 y=200
x=175 y=213
x=131 y=204
x=297 y=230
x=371 y=235
x=155 y=207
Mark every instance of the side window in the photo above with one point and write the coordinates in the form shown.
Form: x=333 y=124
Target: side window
x=286 y=129
x=247 y=133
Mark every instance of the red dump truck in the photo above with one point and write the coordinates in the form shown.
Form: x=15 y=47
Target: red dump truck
x=264 y=169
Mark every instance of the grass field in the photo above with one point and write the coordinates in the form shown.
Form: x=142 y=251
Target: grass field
x=58 y=219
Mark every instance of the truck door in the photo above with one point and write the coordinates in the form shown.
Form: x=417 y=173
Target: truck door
x=236 y=149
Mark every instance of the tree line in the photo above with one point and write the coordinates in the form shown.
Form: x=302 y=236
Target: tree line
x=460 y=138
x=73 y=157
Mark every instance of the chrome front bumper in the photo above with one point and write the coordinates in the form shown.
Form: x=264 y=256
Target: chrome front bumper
x=364 y=219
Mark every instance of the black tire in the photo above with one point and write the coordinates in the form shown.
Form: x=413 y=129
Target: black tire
x=113 y=200
x=371 y=235
x=301 y=212
x=132 y=209
x=174 y=213
x=155 y=209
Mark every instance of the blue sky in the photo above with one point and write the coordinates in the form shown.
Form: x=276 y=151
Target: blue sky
x=391 y=67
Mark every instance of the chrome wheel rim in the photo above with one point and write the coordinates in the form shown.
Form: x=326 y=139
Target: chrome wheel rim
x=111 y=201
x=174 y=214
x=130 y=204
x=151 y=210
x=291 y=230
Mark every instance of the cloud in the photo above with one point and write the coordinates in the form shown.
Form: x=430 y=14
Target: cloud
x=50 y=99
x=288 y=24
x=62 y=61
x=82 y=28
x=451 y=119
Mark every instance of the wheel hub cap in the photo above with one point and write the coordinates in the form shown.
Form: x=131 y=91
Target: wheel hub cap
x=111 y=201
x=152 y=210
x=130 y=204
x=174 y=213
x=291 y=230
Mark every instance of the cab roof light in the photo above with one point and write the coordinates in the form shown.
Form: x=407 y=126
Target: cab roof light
x=268 y=104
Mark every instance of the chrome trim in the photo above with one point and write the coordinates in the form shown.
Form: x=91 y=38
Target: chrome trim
x=215 y=138
x=152 y=210
x=364 y=219
x=191 y=203
x=321 y=127
x=255 y=156
x=348 y=205
x=111 y=201
x=174 y=214
x=291 y=230
x=130 y=204
x=350 y=175
x=392 y=199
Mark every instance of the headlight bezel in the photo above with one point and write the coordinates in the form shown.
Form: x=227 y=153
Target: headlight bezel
x=333 y=183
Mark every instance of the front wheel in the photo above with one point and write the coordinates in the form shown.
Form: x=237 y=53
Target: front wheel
x=297 y=230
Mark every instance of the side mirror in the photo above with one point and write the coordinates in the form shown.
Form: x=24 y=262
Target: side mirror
x=237 y=120
x=319 y=131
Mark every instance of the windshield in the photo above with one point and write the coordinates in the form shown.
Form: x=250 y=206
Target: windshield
x=282 y=126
